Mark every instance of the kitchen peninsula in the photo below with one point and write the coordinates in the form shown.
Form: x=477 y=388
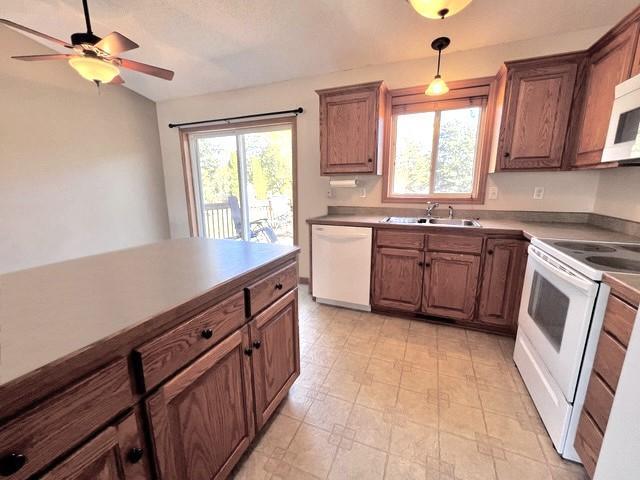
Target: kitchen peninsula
x=169 y=342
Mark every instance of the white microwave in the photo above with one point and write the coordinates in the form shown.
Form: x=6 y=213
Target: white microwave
x=623 y=137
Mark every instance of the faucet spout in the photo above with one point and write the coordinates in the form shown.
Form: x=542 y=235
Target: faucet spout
x=431 y=206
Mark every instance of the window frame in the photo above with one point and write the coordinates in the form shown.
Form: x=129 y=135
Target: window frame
x=477 y=91
x=186 y=134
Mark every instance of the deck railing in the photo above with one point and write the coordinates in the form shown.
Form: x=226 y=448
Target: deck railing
x=218 y=219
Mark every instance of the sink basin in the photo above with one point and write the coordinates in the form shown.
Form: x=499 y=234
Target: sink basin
x=454 y=222
x=616 y=263
x=444 y=222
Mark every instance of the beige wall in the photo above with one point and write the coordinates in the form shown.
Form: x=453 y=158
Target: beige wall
x=619 y=193
x=567 y=191
x=80 y=172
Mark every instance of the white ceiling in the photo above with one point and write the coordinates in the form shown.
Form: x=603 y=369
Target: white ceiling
x=216 y=45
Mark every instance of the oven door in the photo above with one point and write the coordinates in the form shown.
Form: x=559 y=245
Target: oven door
x=555 y=314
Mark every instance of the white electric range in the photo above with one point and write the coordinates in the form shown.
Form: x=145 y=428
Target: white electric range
x=559 y=323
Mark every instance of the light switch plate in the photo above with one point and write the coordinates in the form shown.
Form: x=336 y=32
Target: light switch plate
x=493 y=193
x=538 y=193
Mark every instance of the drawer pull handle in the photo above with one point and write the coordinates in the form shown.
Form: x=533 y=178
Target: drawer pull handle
x=257 y=344
x=207 y=333
x=248 y=351
x=135 y=455
x=11 y=463
x=278 y=286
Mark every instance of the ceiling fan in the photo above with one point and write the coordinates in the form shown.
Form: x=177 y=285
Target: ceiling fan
x=94 y=58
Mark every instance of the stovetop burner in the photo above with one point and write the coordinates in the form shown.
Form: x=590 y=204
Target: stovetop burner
x=587 y=247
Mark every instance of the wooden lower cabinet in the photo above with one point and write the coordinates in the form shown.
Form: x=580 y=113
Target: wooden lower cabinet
x=501 y=283
x=275 y=354
x=397 y=279
x=118 y=453
x=450 y=285
x=202 y=419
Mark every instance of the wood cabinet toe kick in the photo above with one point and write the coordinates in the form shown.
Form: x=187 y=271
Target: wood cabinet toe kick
x=184 y=402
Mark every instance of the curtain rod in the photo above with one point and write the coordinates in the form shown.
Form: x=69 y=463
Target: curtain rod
x=241 y=117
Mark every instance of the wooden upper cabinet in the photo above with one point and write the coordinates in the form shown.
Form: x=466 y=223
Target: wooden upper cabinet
x=502 y=279
x=635 y=68
x=536 y=110
x=397 y=279
x=201 y=420
x=275 y=354
x=351 y=120
x=450 y=285
x=610 y=63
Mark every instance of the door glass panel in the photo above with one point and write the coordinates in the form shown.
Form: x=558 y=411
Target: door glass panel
x=270 y=186
x=548 y=307
x=219 y=186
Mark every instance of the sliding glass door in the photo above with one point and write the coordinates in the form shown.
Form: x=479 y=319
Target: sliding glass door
x=244 y=182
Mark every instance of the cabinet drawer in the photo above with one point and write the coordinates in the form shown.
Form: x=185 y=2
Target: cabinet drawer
x=598 y=401
x=609 y=360
x=160 y=357
x=455 y=244
x=618 y=319
x=588 y=442
x=58 y=424
x=269 y=289
x=398 y=239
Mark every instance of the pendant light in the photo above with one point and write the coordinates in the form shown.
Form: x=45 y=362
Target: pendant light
x=438 y=8
x=438 y=85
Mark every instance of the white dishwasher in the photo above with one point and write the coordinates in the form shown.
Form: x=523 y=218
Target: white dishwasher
x=341 y=265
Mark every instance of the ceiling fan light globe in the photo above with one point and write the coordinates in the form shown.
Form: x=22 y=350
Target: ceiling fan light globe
x=93 y=69
x=437 y=87
x=435 y=8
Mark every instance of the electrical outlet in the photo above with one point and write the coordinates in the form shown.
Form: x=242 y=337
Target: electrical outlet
x=538 y=193
x=493 y=193
x=363 y=193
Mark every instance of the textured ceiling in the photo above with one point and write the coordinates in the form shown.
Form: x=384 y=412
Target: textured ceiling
x=216 y=45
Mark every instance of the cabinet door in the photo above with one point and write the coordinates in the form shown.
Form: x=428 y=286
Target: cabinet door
x=537 y=116
x=608 y=66
x=502 y=278
x=202 y=419
x=450 y=285
x=397 y=279
x=275 y=354
x=349 y=130
x=118 y=453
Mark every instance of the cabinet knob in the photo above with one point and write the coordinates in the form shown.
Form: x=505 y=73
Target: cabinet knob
x=421 y=264
x=248 y=351
x=11 y=463
x=135 y=455
x=489 y=252
x=370 y=160
x=278 y=286
x=427 y=264
x=506 y=154
x=207 y=333
x=257 y=344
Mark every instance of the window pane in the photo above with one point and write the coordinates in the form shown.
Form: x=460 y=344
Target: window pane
x=219 y=184
x=270 y=185
x=457 y=145
x=414 y=141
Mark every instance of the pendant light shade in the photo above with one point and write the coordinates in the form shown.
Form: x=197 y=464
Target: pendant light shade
x=93 y=69
x=438 y=86
x=438 y=8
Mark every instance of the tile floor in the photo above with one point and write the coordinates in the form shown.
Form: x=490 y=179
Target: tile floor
x=389 y=398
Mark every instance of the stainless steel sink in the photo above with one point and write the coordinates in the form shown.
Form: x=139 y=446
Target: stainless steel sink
x=443 y=222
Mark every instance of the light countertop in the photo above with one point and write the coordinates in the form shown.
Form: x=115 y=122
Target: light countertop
x=557 y=230
x=51 y=312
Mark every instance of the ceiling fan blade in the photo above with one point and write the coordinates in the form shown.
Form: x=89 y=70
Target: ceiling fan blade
x=34 y=32
x=35 y=58
x=116 y=43
x=117 y=80
x=148 y=69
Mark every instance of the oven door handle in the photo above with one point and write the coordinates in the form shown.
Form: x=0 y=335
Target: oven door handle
x=578 y=282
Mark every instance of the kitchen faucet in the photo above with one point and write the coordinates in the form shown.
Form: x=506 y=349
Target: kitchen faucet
x=431 y=207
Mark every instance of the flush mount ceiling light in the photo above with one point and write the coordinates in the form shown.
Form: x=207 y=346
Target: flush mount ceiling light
x=438 y=85
x=438 y=8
